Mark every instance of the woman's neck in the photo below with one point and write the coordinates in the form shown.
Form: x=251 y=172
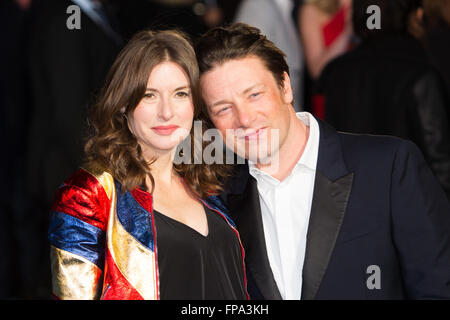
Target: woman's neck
x=161 y=168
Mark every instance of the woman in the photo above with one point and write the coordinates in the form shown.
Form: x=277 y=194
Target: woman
x=325 y=30
x=131 y=224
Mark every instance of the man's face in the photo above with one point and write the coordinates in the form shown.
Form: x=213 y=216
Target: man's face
x=248 y=107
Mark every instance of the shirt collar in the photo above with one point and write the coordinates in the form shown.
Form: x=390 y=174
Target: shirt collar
x=309 y=155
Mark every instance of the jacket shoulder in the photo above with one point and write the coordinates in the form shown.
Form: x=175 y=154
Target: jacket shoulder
x=86 y=196
x=370 y=140
x=377 y=151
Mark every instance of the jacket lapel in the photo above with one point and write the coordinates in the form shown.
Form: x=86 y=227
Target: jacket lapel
x=327 y=212
x=332 y=189
x=247 y=215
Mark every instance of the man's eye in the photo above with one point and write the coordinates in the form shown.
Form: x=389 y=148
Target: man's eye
x=254 y=95
x=222 y=110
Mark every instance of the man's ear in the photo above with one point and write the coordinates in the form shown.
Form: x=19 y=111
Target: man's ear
x=286 y=92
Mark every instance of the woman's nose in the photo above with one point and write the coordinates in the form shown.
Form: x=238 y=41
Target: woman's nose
x=166 y=109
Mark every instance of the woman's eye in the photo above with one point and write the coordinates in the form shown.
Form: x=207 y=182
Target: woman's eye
x=254 y=95
x=182 y=94
x=149 y=95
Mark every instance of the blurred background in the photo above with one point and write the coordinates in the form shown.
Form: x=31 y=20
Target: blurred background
x=376 y=71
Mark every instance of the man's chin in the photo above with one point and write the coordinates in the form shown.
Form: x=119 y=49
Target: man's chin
x=261 y=159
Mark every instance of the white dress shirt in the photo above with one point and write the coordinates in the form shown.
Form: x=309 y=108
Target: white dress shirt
x=285 y=209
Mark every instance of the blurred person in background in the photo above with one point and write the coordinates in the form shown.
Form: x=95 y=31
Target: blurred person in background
x=431 y=25
x=386 y=86
x=326 y=32
x=325 y=28
x=281 y=30
x=67 y=67
x=219 y=12
x=160 y=14
x=191 y=16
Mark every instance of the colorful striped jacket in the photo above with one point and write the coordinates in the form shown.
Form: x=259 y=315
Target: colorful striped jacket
x=103 y=243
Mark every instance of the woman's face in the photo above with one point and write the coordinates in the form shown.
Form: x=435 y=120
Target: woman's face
x=163 y=118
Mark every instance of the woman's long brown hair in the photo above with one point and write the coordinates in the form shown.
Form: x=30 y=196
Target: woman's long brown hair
x=111 y=146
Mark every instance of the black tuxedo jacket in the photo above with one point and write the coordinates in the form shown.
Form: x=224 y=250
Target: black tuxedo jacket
x=375 y=202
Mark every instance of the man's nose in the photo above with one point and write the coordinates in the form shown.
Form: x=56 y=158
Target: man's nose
x=245 y=115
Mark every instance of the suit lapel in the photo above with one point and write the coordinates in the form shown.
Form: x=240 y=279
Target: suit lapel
x=247 y=215
x=327 y=212
x=332 y=187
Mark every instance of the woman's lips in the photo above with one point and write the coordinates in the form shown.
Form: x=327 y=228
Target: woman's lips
x=165 y=130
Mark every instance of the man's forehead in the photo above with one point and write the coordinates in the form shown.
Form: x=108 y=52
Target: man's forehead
x=225 y=88
x=243 y=73
x=250 y=63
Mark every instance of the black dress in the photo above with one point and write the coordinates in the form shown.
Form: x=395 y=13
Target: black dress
x=193 y=266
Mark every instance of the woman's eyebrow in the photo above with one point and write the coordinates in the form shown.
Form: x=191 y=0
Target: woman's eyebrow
x=182 y=88
x=176 y=89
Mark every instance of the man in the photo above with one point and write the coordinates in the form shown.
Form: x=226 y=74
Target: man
x=341 y=216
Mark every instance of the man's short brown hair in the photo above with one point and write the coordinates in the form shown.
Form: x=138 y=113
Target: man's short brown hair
x=238 y=41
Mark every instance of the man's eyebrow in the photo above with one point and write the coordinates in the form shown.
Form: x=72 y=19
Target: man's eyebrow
x=215 y=104
x=224 y=101
x=251 y=88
